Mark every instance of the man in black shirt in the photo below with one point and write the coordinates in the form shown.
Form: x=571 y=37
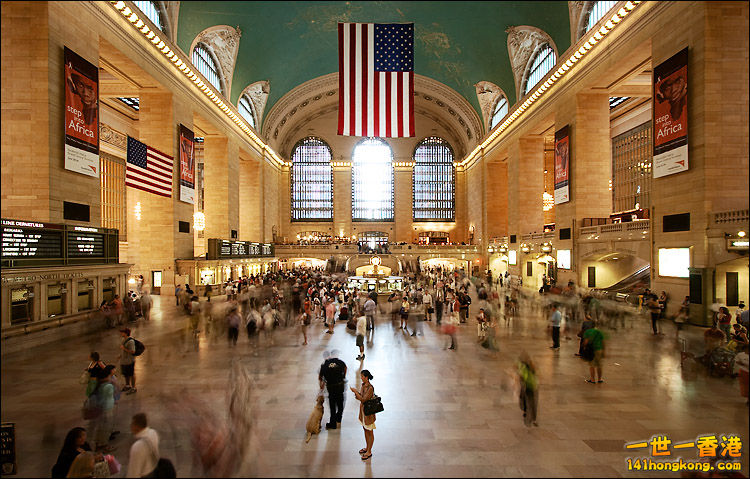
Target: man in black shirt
x=333 y=375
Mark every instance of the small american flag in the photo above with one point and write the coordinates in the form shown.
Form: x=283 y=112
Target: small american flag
x=149 y=169
x=376 y=79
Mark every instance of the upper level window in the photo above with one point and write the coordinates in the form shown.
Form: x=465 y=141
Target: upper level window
x=501 y=109
x=372 y=181
x=598 y=9
x=205 y=63
x=433 y=181
x=543 y=62
x=245 y=106
x=312 y=181
x=152 y=12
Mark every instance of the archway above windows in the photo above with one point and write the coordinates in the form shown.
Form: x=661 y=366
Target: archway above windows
x=312 y=181
x=491 y=100
x=223 y=42
x=162 y=14
x=372 y=181
x=433 y=181
x=524 y=42
x=585 y=14
x=257 y=94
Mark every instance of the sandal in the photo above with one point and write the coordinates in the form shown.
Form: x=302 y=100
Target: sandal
x=364 y=458
x=590 y=381
x=363 y=450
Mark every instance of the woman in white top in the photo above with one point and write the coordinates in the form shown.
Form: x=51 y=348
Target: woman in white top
x=427 y=300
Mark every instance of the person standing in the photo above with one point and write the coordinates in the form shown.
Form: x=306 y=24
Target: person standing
x=725 y=320
x=594 y=339
x=439 y=305
x=370 y=308
x=233 y=325
x=74 y=444
x=427 y=300
x=555 y=318
x=366 y=392
x=330 y=310
x=127 y=361
x=653 y=307
x=105 y=393
x=147 y=302
x=361 y=331
x=144 y=453
x=587 y=324
x=333 y=375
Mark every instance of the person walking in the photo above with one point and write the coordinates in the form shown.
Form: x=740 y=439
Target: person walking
x=587 y=324
x=333 y=375
x=127 y=361
x=366 y=392
x=144 y=453
x=330 y=310
x=593 y=338
x=147 y=302
x=653 y=307
x=529 y=397
x=105 y=394
x=428 y=304
x=370 y=307
x=555 y=318
x=404 y=312
x=233 y=325
x=361 y=331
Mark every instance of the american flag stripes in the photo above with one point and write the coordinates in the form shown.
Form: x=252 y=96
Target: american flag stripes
x=148 y=169
x=376 y=80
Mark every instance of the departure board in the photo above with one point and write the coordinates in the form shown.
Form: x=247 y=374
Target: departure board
x=220 y=249
x=29 y=243
x=86 y=244
x=26 y=239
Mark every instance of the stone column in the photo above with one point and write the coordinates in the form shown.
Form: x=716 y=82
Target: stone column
x=221 y=172
x=249 y=199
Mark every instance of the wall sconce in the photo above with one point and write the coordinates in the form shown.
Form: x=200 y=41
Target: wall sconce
x=525 y=248
x=137 y=211
x=504 y=248
x=199 y=221
x=546 y=247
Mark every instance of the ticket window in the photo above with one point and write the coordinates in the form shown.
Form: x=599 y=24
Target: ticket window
x=21 y=304
x=207 y=276
x=85 y=295
x=109 y=289
x=57 y=295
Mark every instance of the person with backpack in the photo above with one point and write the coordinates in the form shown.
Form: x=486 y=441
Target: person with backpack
x=130 y=348
x=145 y=460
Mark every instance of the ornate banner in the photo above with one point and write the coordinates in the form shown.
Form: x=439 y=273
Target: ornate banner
x=670 y=116
x=187 y=165
x=562 y=165
x=81 y=115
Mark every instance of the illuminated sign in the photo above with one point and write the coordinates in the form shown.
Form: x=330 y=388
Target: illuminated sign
x=738 y=244
x=512 y=257
x=563 y=258
x=674 y=262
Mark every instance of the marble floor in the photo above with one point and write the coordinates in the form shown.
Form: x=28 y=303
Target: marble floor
x=447 y=413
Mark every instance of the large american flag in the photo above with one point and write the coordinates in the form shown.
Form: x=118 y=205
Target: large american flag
x=376 y=79
x=148 y=169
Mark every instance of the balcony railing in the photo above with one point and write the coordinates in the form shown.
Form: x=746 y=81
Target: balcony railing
x=727 y=217
x=593 y=232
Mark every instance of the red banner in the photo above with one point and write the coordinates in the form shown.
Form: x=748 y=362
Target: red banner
x=671 y=116
x=562 y=165
x=81 y=115
x=187 y=165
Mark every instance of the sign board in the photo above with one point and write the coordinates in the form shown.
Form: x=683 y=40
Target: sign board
x=81 y=115
x=8 y=449
x=187 y=165
x=670 y=109
x=741 y=244
x=224 y=249
x=27 y=243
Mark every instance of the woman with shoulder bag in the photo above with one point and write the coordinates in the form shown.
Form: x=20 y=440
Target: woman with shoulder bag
x=366 y=392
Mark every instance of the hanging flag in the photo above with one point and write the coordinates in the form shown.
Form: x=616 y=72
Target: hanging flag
x=376 y=79
x=148 y=169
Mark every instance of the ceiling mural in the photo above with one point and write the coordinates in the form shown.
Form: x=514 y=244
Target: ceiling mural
x=456 y=43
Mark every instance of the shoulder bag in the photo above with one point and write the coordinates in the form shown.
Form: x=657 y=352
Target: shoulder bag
x=372 y=406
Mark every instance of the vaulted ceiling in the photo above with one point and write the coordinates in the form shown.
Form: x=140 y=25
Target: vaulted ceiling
x=456 y=43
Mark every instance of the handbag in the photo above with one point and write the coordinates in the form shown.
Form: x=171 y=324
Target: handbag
x=91 y=408
x=372 y=406
x=114 y=465
x=85 y=376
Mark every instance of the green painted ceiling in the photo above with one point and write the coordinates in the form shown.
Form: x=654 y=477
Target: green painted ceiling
x=456 y=43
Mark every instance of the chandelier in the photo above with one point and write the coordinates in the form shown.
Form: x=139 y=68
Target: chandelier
x=548 y=201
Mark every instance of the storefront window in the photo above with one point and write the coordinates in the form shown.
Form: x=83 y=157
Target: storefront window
x=109 y=287
x=22 y=304
x=56 y=295
x=156 y=276
x=85 y=295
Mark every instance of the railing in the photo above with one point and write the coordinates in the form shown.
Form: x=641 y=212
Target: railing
x=536 y=236
x=736 y=216
x=641 y=225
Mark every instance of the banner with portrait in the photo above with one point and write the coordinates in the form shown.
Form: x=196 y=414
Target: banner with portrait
x=562 y=165
x=81 y=114
x=670 y=116
x=187 y=165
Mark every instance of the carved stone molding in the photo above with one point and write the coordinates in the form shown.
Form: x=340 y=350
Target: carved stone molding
x=488 y=95
x=258 y=94
x=523 y=42
x=575 y=10
x=109 y=135
x=224 y=42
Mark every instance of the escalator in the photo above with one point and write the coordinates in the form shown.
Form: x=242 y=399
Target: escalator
x=628 y=289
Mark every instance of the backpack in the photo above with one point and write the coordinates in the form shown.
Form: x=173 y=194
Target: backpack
x=164 y=469
x=139 y=347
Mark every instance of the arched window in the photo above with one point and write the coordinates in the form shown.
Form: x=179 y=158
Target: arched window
x=245 y=106
x=312 y=181
x=152 y=12
x=543 y=62
x=434 y=181
x=372 y=181
x=205 y=63
x=501 y=109
x=598 y=9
